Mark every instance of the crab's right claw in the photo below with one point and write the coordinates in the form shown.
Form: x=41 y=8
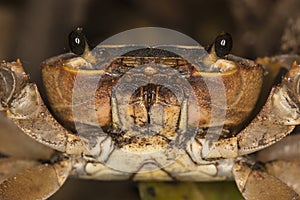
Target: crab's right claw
x=255 y=183
x=22 y=103
x=32 y=180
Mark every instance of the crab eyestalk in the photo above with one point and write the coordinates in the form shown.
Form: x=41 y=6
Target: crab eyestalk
x=218 y=50
x=78 y=45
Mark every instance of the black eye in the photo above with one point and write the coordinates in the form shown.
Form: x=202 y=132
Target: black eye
x=77 y=41
x=223 y=44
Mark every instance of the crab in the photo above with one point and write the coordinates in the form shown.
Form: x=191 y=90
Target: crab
x=156 y=112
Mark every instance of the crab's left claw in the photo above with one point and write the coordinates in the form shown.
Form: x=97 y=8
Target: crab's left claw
x=256 y=183
x=32 y=180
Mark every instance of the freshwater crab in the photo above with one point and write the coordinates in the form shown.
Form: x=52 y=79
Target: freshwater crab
x=153 y=113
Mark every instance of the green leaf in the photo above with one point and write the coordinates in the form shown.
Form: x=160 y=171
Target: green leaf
x=189 y=191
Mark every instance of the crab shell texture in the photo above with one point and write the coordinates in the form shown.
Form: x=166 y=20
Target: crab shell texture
x=241 y=79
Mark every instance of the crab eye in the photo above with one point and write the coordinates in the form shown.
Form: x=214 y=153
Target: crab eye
x=77 y=41
x=223 y=44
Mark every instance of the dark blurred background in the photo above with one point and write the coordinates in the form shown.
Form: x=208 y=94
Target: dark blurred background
x=34 y=30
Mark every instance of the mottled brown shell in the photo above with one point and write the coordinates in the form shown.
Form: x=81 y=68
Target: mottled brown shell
x=242 y=86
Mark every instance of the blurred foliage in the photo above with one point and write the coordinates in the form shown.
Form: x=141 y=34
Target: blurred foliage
x=189 y=191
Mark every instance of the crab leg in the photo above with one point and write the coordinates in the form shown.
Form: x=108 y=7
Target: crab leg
x=11 y=166
x=38 y=181
x=23 y=146
x=283 y=160
x=277 y=118
x=287 y=171
x=287 y=148
x=282 y=164
x=255 y=183
x=22 y=103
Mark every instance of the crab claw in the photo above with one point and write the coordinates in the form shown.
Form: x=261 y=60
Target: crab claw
x=278 y=117
x=294 y=79
x=287 y=98
x=255 y=183
x=32 y=180
x=12 y=79
x=21 y=101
